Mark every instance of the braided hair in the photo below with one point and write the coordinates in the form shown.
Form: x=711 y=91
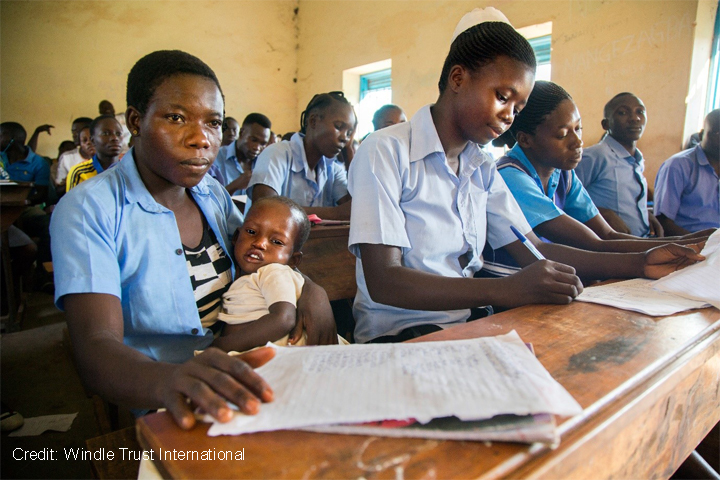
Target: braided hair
x=481 y=44
x=319 y=103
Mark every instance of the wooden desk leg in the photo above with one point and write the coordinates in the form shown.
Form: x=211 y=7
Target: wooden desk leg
x=9 y=285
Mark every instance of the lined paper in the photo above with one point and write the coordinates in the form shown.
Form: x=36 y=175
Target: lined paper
x=700 y=281
x=638 y=295
x=470 y=379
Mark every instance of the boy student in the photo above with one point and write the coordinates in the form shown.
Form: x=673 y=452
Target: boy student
x=260 y=305
x=305 y=168
x=612 y=170
x=231 y=129
x=70 y=159
x=426 y=197
x=687 y=197
x=21 y=163
x=234 y=163
x=107 y=108
x=106 y=135
x=388 y=115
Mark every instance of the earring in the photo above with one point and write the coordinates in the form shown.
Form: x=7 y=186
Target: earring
x=134 y=132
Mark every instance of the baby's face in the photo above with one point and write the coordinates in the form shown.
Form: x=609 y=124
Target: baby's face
x=267 y=236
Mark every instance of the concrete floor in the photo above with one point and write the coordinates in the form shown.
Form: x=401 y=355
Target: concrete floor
x=37 y=377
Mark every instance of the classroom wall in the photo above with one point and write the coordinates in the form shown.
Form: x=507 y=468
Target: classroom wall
x=600 y=48
x=58 y=59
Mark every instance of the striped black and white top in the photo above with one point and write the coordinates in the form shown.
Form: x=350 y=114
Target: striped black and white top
x=210 y=273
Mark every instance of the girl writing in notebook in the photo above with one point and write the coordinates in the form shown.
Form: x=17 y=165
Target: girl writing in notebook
x=426 y=198
x=538 y=170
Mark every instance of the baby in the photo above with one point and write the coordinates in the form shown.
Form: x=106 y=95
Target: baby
x=260 y=305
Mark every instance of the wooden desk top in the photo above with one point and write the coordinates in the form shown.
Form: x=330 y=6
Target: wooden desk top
x=650 y=389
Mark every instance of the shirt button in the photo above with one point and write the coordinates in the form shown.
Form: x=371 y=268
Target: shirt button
x=194 y=331
x=178 y=251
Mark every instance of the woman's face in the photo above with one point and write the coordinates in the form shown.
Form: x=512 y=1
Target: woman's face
x=179 y=134
x=489 y=98
x=557 y=141
x=329 y=131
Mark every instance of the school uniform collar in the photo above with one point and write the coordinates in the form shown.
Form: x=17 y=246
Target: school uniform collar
x=137 y=192
x=424 y=141
x=517 y=153
x=701 y=156
x=620 y=151
x=232 y=155
x=299 y=160
x=98 y=166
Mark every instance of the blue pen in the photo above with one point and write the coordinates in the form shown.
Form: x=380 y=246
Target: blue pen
x=528 y=244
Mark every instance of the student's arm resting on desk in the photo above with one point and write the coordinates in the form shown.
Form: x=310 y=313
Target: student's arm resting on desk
x=239 y=183
x=654 y=263
x=391 y=283
x=123 y=375
x=341 y=212
x=595 y=235
x=268 y=328
x=605 y=232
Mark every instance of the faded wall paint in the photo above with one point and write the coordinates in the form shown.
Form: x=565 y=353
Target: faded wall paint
x=58 y=59
x=600 y=48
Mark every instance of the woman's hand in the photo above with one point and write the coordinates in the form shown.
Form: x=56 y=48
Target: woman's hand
x=211 y=379
x=669 y=258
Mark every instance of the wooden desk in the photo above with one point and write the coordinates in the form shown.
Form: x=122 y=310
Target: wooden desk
x=13 y=202
x=650 y=389
x=328 y=262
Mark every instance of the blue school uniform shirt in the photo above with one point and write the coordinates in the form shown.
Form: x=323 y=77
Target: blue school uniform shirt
x=614 y=179
x=110 y=236
x=283 y=166
x=565 y=195
x=687 y=191
x=226 y=167
x=32 y=168
x=405 y=195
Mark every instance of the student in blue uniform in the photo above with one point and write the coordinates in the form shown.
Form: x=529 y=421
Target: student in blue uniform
x=539 y=171
x=426 y=198
x=687 y=186
x=234 y=163
x=305 y=168
x=613 y=170
x=142 y=255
